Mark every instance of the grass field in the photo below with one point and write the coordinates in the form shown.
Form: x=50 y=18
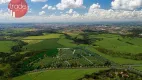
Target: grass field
x=37 y=39
x=65 y=74
x=5 y=46
x=66 y=42
x=45 y=44
x=32 y=41
x=119 y=44
x=116 y=59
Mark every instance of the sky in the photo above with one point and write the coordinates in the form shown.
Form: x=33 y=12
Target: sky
x=75 y=11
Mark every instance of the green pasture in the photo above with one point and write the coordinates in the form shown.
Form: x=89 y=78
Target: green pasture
x=45 y=44
x=119 y=44
x=118 y=60
x=66 y=42
x=5 y=46
x=63 y=74
x=32 y=41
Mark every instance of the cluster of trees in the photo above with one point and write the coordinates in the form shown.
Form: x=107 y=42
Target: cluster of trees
x=112 y=74
x=33 y=33
x=68 y=36
x=2 y=38
x=19 y=63
x=2 y=75
x=84 y=40
x=25 y=34
x=3 y=56
x=135 y=32
x=95 y=31
x=27 y=60
x=18 y=47
x=120 y=54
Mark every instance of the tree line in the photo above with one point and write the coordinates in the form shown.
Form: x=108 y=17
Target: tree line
x=33 y=33
x=120 y=54
x=113 y=74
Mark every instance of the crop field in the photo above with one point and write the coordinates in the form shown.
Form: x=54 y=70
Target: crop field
x=119 y=44
x=70 y=58
x=5 y=46
x=32 y=41
x=63 y=74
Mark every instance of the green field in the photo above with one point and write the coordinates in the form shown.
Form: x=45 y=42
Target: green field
x=68 y=64
x=37 y=39
x=45 y=44
x=66 y=42
x=32 y=41
x=118 y=60
x=125 y=45
x=63 y=74
x=109 y=42
x=5 y=46
x=45 y=36
x=138 y=68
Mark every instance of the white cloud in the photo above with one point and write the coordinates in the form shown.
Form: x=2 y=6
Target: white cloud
x=4 y=1
x=42 y=13
x=71 y=11
x=95 y=13
x=126 y=4
x=51 y=8
x=93 y=7
x=45 y=6
x=39 y=0
x=70 y=4
x=48 y=7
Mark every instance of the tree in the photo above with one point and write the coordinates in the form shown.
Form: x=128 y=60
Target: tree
x=1 y=73
x=107 y=63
